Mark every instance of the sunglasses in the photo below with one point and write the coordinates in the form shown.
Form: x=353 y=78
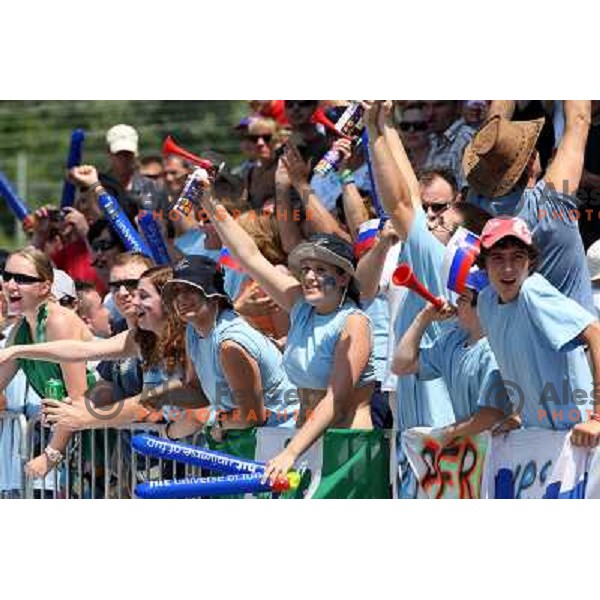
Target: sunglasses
x=102 y=245
x=129 y=284
x=266 y=137
x=299 y=103
x=437 y=208
x=20 y=278
x=414 y=126
x=67 y=301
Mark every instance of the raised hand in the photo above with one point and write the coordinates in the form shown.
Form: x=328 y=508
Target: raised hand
x=431 y=313
x=298 y=170
x=344 y=147
x=371 y=116
x=388 y=235
x=84 y=175
x=77 y=220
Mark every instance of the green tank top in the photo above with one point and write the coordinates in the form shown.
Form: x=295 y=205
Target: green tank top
x=37 y=372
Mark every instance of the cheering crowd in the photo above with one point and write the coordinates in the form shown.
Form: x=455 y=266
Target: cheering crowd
x=278 y=305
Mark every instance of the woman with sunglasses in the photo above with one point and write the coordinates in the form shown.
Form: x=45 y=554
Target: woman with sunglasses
x=156 y=338
x=260 y=179
x=27 y=283
x=328 y=355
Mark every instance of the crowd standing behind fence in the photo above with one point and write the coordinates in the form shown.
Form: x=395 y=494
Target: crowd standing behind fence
x=284 y=233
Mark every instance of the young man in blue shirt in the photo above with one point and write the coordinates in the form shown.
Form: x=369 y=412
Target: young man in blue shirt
x=537 y=335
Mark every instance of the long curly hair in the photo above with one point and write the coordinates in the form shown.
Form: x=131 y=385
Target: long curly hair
x=167 y=349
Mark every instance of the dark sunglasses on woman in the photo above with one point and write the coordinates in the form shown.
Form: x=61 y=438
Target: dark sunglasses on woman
x=266 y=137
x=20 y=278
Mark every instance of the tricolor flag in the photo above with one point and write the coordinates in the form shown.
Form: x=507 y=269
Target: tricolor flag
x=367 y=234
x=226 y=260
x=459 y=269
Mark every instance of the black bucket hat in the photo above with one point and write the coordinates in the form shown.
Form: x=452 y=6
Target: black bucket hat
x=199 y=272
x=327 y=247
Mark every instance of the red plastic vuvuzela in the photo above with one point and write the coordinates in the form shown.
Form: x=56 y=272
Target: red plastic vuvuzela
x=170 y=147
x=320 y=117
x=404 y=276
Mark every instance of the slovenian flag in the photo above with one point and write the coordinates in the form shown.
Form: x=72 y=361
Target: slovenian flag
x=226 y=260
x=367 y=234
x=459 y=269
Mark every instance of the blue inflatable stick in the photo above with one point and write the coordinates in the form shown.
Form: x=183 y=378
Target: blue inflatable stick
x=73 y=160
x=122 y=225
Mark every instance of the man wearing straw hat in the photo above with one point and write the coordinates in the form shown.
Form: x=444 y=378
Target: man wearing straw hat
x=502 y=168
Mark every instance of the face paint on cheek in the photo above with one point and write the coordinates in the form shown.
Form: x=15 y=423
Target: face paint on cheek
x=329 y=283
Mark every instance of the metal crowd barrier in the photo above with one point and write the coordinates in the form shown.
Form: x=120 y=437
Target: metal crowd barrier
x=98 y=463
x=13 y=442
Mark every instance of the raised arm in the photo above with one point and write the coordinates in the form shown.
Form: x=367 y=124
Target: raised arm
x=392 y=186
x=73 y=351
x=406 y=354
x=318 y=218
x=355 y=210
x=351 y=356
x=284 y=289
x=565 y=171
x=370 y=266
x=289 y=228
x=396 y=147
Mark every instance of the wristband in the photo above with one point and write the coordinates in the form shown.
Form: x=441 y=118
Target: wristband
x=54 y=456
x=346 y=177
x=595 y=417
x=94 y=186
x=167 y=433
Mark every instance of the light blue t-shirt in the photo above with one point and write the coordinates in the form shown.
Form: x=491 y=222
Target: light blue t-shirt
x=280 y=397
x=470 y=372
x=555 y=231
x=312 y=339
x=191 y=243
x=378 y=311
x=422 y=403
x=535 y=339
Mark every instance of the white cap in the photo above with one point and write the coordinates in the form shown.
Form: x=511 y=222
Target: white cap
x=593 y=260
x=122 y=137
x=63 y=285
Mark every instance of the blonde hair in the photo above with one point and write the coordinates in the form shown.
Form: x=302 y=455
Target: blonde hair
x=38 y=259
x=126 y=258
x=262 y=123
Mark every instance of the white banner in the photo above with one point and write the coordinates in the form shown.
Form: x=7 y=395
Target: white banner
x=456 y=470
x=527 y=463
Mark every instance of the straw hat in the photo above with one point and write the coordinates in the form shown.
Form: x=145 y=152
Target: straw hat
x=325 y=247
x=495 y=158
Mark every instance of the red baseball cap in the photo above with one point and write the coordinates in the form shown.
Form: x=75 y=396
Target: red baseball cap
x=501 y=227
